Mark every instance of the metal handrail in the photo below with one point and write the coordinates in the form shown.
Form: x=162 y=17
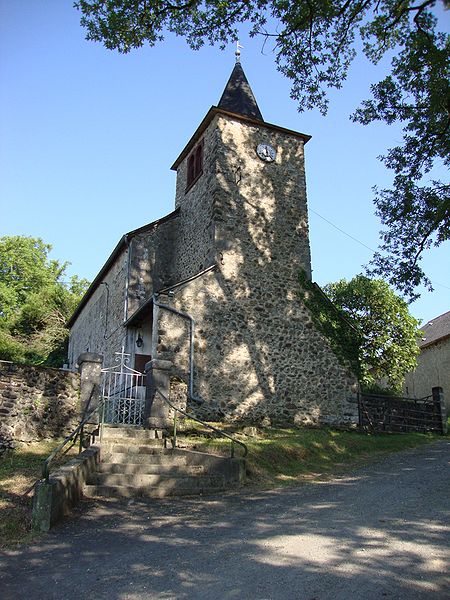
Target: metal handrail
x=189 y=416
x=73 y=435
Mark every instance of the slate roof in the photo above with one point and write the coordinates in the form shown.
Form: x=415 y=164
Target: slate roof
x=435 y=330
x=238 y=97
x=237 y=102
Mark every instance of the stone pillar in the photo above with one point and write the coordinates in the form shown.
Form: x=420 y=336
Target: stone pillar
x=90 y=369
x=438 y=398
x=158 y=385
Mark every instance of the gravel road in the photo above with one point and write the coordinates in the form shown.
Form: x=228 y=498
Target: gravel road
x=381 y=532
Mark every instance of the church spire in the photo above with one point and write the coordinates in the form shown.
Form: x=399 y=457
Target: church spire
x=237 y=96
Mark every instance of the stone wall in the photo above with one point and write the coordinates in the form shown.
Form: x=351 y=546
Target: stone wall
x=261 y=217
x=194 y=250
x=251 y=365
x=433 y=370
x=152 y=263
x=36 y=402
x=178 y=397
x=258 y=354
x=99 y=327
x=146 y=264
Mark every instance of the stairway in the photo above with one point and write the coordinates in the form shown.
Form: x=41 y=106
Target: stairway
x=138 y=463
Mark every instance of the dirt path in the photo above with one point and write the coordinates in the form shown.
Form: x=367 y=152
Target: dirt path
x=382 y=532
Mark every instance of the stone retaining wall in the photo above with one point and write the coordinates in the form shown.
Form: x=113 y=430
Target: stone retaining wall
x=36 y=402
x=54 y=499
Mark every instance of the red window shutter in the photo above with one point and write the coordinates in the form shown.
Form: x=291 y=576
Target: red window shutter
x=194 y=165
x=191 y=170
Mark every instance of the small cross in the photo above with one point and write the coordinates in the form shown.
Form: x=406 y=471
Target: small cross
x=238 y=51
x=122 y=358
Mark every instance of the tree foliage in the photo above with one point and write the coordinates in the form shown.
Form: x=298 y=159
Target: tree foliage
x=387 y=333
x=35 y=303
x=314 y=43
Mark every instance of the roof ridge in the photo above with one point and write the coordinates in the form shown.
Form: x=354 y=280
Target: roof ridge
x=435 y=330
x=435 y=318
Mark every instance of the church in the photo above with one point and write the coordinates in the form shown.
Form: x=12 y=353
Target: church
x=212 y=290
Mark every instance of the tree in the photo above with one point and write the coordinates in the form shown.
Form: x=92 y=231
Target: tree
x=314 y=43
x=35 y=303
x=387 y=332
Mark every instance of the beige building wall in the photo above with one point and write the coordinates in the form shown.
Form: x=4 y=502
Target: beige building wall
x=433 y=370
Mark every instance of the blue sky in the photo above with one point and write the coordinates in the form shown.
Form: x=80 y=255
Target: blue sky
x=87 y=138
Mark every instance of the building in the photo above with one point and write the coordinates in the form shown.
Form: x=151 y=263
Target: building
x=229 y=257
x=433 y=362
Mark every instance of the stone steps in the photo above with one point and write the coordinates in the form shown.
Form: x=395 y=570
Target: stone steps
x=162 y=456
x=162 y=491
x=149 y=481
x=130 y=433
x=139 y=463
x=152 y=447
x=146 y=468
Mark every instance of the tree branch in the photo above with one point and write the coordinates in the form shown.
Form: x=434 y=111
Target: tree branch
x=425 y=239
x=360 y=7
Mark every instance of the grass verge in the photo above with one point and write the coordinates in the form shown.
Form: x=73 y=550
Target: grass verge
x=19 y=470
x=287 y=456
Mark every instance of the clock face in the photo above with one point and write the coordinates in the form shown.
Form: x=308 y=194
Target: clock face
x=266 y=152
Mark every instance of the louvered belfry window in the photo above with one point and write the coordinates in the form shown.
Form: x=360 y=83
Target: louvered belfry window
x=195 y=165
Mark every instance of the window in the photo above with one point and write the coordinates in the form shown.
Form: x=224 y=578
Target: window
x=195 y=165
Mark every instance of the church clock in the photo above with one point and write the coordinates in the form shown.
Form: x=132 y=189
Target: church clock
x=266 y=152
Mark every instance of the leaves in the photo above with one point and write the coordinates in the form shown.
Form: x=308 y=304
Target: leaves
x=388 y=333
x=416 y=219
x=314 y=44
x=416 y=214
x=35 y=303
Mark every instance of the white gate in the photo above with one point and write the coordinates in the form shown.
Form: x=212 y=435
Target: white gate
x=123 y=392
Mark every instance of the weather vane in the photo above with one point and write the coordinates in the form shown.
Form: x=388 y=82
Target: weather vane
x=238 y=51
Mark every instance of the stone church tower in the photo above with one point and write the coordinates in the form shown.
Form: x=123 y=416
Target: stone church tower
x=241 y=193
x=227 y=262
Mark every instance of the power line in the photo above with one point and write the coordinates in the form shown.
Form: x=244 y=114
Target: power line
x=342 y=231
x=363 y=244
x=440 y=285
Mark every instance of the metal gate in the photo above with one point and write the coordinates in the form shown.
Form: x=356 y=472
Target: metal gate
x=123 y=392
x=379 y=413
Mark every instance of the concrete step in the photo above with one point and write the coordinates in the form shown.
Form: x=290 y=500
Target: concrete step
x=170 y=487
x=131 y=433
x=161 y=457
x=152 y=447
x=155 y=480
x=149 y=468
x=136 y=440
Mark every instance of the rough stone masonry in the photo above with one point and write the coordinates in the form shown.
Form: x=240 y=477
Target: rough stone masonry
x=36 y=403
x=230 y=256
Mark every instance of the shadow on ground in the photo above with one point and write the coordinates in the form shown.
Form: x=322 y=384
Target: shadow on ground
x=380 y=533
